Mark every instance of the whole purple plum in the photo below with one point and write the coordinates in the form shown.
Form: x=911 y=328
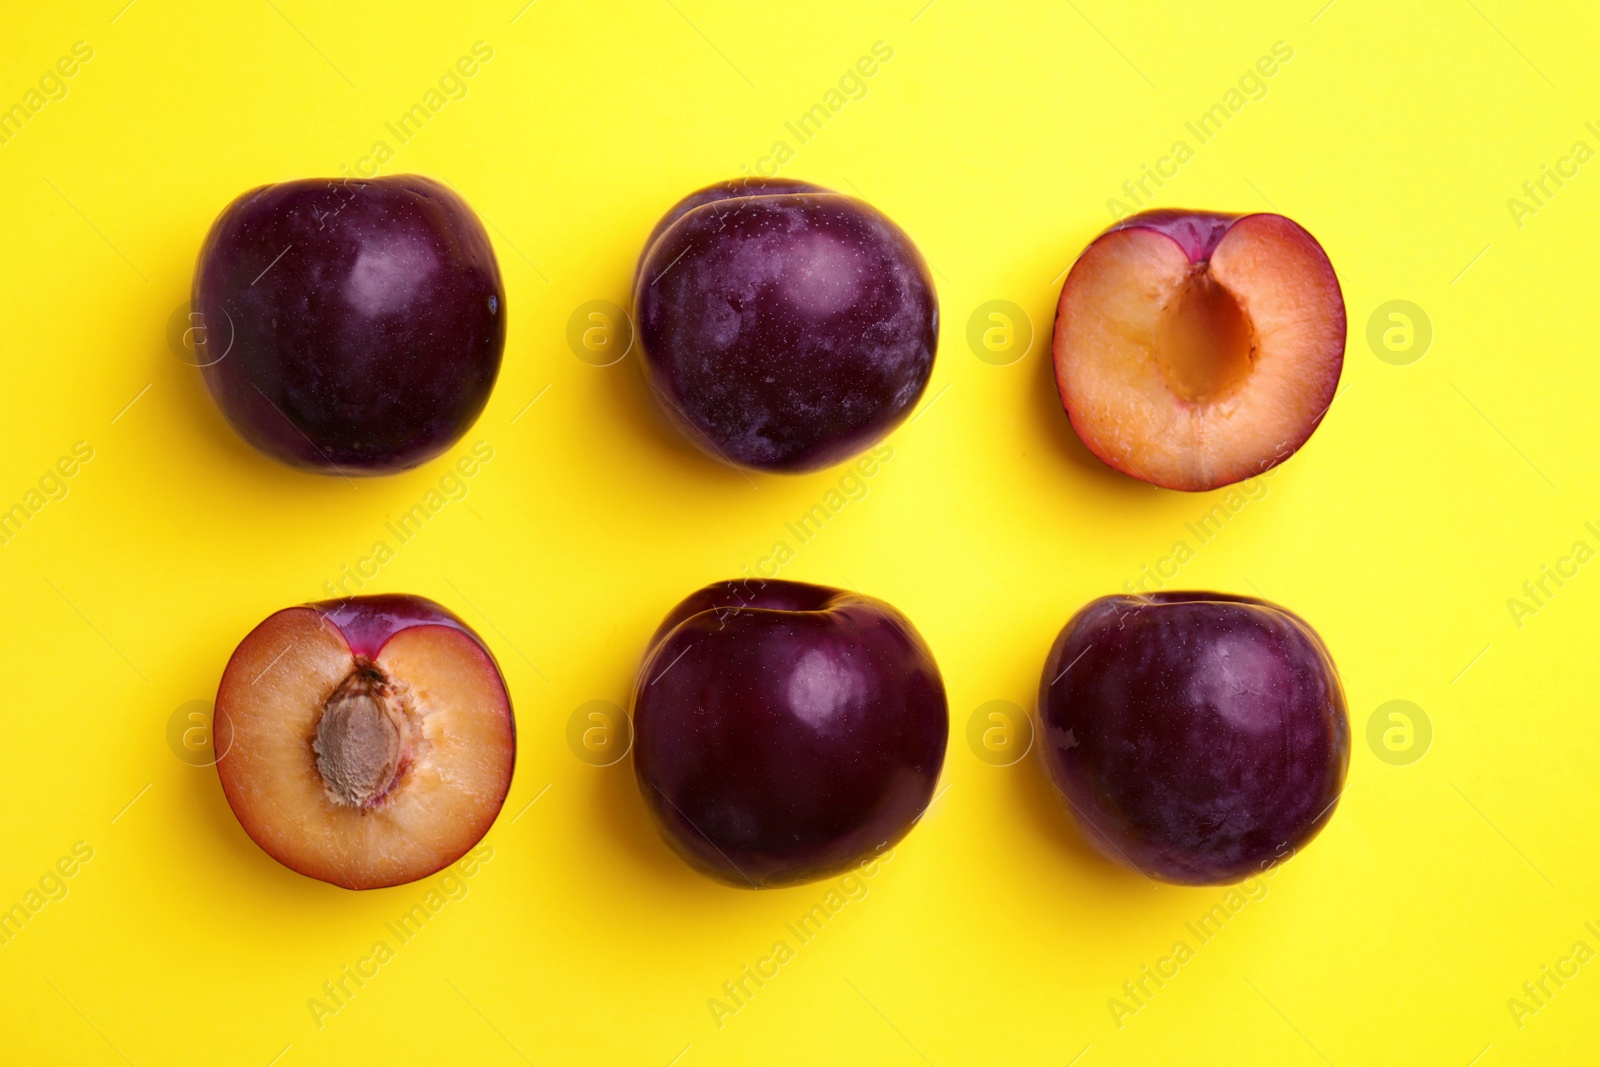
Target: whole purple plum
x=785 y=732
x=351 y=327
x=1197 y=737
x=784 y=327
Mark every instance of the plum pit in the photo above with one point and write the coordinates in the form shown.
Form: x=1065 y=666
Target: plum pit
x=361 y=737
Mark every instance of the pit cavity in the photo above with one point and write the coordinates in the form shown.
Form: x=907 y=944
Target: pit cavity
x=360 y=737
x=1205 y=342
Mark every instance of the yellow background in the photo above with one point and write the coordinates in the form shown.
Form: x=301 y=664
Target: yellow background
x=994 y=136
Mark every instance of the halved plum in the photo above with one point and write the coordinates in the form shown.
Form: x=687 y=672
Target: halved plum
x=366 y=742
x=1193 y=350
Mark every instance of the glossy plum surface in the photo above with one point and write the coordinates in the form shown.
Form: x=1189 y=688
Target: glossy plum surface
x=351 y=327
x=368 y=622
x=784 y=731
x=1198 y=233
x=1197 y=737
x=784 y=327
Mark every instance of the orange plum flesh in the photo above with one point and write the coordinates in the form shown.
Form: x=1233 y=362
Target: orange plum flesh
x=365 y=742
x=1193 y=350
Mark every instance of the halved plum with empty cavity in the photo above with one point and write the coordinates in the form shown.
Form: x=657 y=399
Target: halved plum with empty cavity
x=1193 y=349
x=366 y=742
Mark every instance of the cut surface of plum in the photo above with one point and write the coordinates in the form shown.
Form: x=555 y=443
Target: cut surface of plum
x=370 y=760
x=1193 y=350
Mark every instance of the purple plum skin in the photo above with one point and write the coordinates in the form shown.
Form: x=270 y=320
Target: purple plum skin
x=1197 y=737
x=351 y=327
x=784 y=327
x=786 y=732
x=1198 y=233
x=367 y=622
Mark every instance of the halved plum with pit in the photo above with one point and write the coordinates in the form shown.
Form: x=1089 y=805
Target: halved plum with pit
x=366 y=742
